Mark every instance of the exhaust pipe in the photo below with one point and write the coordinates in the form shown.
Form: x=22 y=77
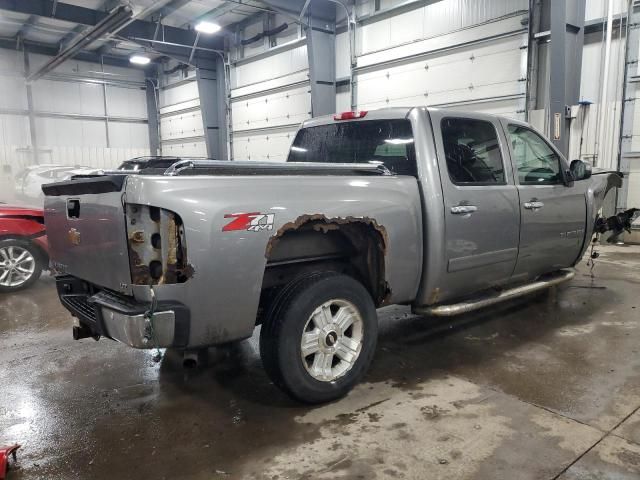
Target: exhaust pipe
x=190 y=359
x=195 y=358
x=82 y=331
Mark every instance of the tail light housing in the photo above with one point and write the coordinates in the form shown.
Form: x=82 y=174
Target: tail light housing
x=157 y=248
x=350 y=115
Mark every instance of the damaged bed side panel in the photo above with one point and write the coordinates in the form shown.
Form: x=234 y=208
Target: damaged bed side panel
x=357 y=244
x=229 y=235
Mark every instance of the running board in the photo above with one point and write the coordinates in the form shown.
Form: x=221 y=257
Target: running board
x=493 y=298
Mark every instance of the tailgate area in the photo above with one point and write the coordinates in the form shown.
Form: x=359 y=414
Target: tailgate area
x=86 y=226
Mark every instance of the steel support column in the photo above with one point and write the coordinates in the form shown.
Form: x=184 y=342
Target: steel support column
x=30 y=109
x=321 y=52
x=153 y=115
x=213 y=105
x=629 y=104
x=565 y=64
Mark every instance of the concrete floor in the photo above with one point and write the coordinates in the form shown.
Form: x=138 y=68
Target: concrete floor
x=543 y=388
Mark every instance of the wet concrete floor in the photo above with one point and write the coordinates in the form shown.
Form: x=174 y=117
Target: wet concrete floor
x=543 y=388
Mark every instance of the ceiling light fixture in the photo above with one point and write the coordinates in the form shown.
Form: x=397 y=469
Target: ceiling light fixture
x=139 y=59
x=207 y=27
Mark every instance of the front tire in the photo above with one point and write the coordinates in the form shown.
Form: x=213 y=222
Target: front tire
x=20 y=264
x=319 y=337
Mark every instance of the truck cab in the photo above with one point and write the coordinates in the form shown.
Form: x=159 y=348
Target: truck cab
x=501 y=204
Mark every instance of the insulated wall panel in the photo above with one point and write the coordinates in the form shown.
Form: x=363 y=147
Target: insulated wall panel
x=14 y=130
x=60 y=132
x=473 y=75
x=263 y=69
x=174 y=95
x=270 y=97
x=272 y=146
x=597 y=9
x=510 y=107
x=196 y=148
x=129 y=135
x=273 y=110
x=431 y=20
x=126 y=102
x=18 y=97
x=181 y=126
x=59 y=97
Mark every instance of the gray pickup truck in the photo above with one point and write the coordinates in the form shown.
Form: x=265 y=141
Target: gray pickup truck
x=441 y=210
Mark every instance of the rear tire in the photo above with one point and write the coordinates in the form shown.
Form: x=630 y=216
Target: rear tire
x=319 y=337
x=20 y=264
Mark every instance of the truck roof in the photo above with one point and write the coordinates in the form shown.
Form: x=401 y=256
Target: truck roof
x=390 y=113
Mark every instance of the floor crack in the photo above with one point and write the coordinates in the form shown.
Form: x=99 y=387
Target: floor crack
x=608 y=433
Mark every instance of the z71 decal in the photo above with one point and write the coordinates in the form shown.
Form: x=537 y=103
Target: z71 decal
x=252 y=222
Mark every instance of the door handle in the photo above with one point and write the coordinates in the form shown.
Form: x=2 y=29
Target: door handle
x=533 y=205
x=463 y=209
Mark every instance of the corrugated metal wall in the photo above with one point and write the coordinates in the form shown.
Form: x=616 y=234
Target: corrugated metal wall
x=74 y=125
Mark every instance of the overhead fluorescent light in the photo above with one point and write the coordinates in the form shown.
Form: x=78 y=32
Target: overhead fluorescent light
x=139 y=59
x=207 y=27
x=299 y=149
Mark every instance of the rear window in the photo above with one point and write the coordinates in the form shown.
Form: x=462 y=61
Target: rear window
x=388 y=142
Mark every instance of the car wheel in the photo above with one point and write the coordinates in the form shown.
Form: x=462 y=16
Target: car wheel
x=319 y=337
x=20 y=264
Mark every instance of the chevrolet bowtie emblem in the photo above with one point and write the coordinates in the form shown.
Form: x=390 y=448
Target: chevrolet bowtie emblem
x=74 y=236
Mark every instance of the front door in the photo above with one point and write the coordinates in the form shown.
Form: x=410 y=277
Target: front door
x=482 y=217
x=553 y=213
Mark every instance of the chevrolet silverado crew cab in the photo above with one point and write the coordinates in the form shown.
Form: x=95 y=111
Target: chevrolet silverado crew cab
x=441 y=210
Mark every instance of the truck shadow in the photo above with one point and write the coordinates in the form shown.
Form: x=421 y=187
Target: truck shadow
x=412 y=349
x=522 y=348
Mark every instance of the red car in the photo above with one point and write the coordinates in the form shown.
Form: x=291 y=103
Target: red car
x=23 y=247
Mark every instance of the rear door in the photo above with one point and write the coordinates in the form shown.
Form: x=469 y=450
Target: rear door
x=553 y=213
x=482 y=217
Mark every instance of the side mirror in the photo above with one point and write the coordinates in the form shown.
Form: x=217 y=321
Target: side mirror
x=580 y=170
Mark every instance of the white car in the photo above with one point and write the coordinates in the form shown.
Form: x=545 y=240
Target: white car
x=28 y=183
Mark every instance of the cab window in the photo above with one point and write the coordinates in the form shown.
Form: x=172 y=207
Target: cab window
x=472 y=152
x=536 y=162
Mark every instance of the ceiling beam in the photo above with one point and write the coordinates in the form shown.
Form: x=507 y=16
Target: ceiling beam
x=156 y=12
x=89 y=17
x=171 y=7
x=109 y=5
x=52 y=51
x=68 y=38
x=214 y=13
x=322 y=9
x=107 y=47
x=116 y=19
x=31 y=21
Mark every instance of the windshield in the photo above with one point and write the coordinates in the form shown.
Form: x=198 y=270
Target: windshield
x=388 y=142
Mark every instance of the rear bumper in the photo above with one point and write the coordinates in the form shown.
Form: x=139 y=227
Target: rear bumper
x=122 y=318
